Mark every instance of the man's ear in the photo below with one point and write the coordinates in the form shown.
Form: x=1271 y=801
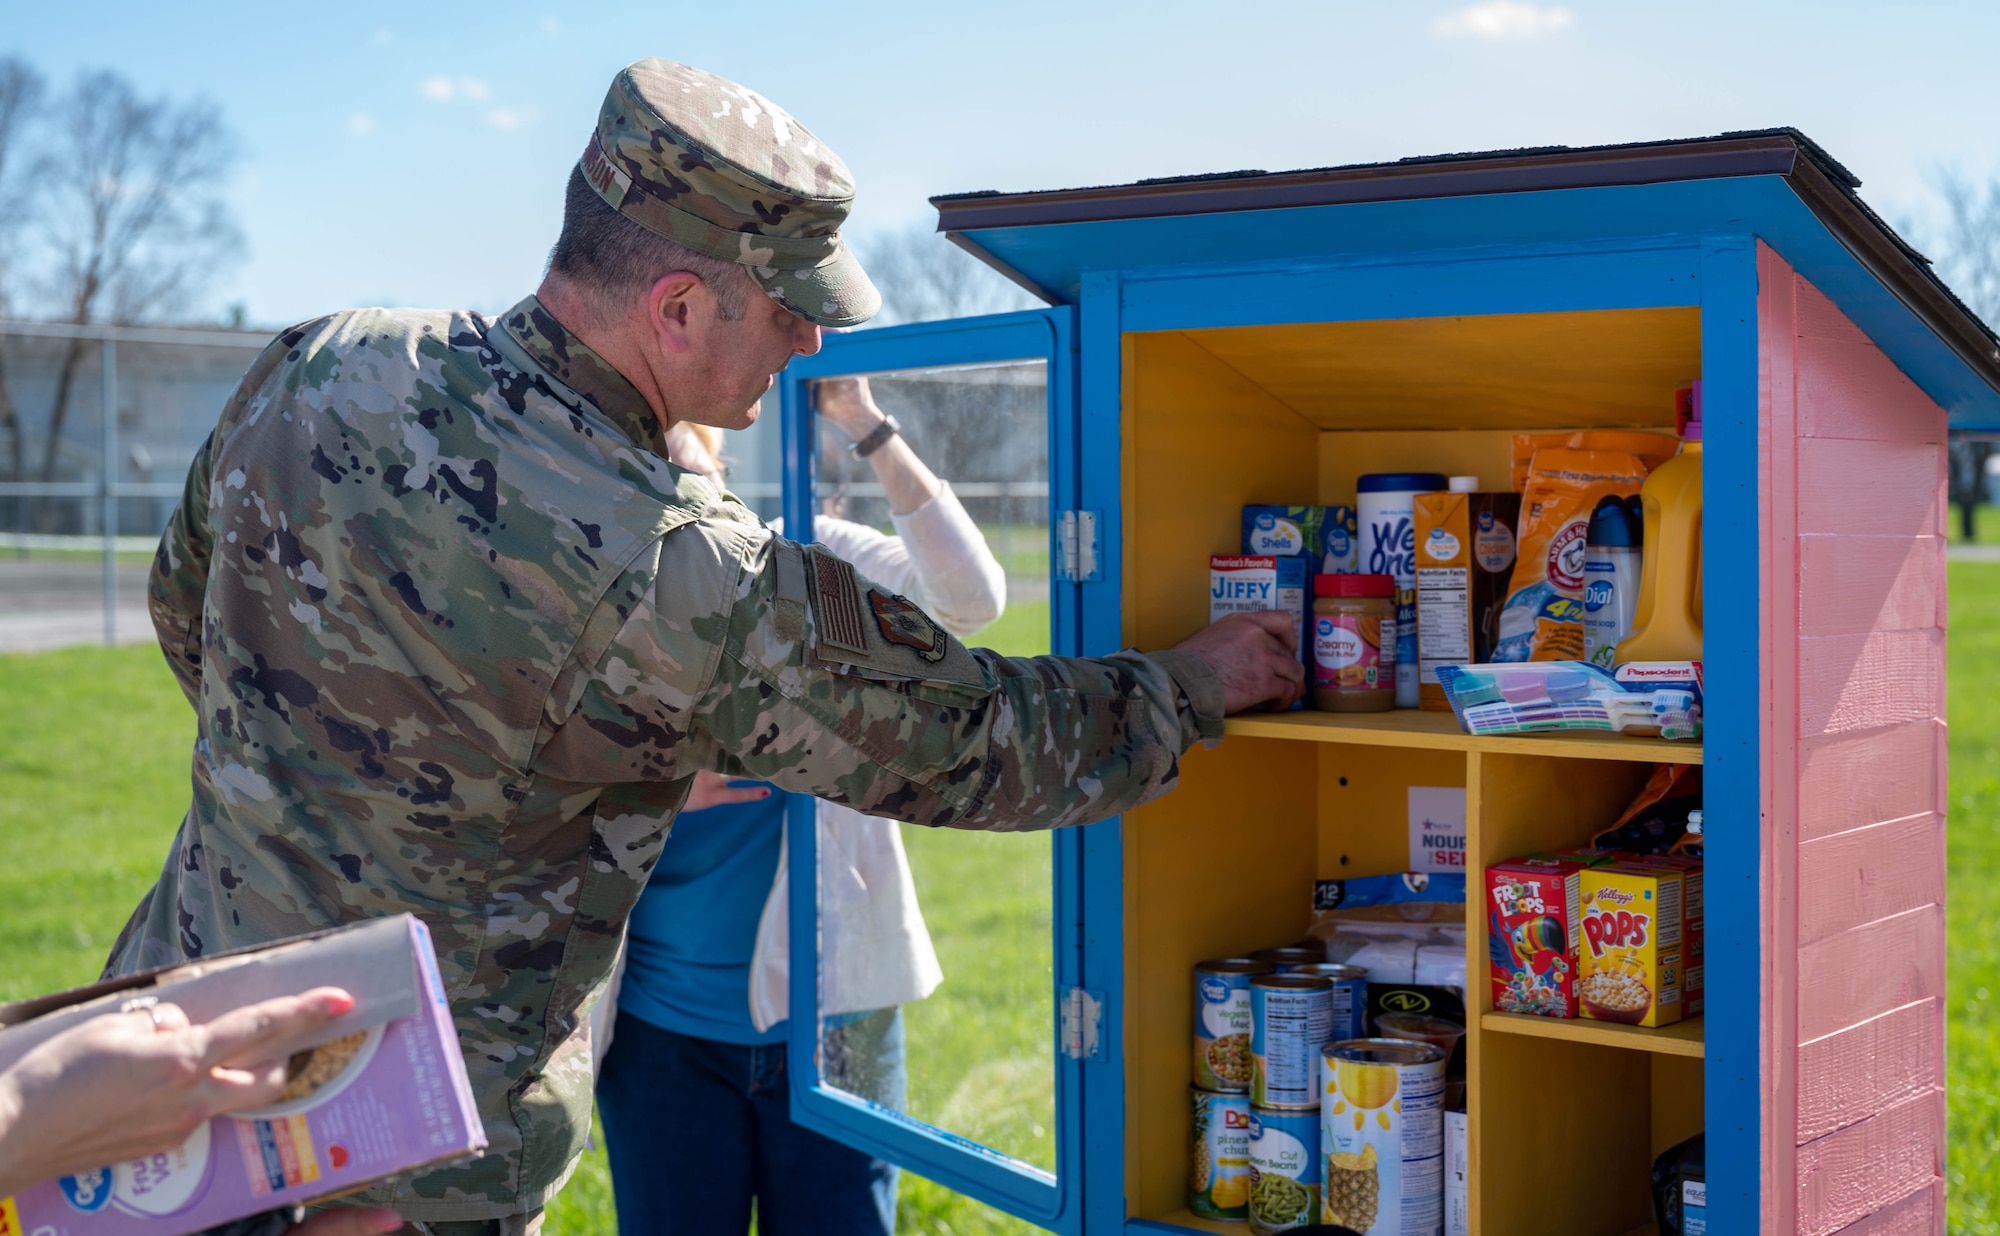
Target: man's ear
x=674 y=306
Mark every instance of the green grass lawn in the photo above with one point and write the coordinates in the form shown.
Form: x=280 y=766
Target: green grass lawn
x=93 y=754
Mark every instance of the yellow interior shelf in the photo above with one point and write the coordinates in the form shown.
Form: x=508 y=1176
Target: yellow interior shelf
x=1683 y=1038
x=1439 y=731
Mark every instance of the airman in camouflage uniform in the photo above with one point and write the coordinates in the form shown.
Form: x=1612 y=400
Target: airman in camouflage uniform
x=459 y=636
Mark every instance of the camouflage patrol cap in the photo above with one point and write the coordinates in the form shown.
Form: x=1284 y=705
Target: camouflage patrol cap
x=721 y=169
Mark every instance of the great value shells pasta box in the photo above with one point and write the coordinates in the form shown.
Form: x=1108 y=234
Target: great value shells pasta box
x=1532 y=908
x=383 y=1095
x=1631 y=958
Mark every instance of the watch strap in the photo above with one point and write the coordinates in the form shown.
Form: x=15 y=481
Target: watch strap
x=877 y=436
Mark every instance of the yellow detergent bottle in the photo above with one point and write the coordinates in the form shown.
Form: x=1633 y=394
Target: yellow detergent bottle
x=1666 y=625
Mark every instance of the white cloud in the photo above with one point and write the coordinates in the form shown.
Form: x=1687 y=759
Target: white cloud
x=444 y=89
x=361 y=124
x=505 y=119
x=551 y=26
x=1503 y=19
x=382 y=36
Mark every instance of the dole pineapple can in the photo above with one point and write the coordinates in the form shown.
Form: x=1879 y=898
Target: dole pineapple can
x=1219 y=1156
x=1382 y=1137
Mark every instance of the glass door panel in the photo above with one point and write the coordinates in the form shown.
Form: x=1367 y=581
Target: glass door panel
x=934 y=1026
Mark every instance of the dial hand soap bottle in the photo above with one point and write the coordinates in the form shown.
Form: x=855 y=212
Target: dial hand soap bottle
x=1667 y=623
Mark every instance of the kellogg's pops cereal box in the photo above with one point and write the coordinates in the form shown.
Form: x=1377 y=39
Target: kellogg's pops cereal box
x=1532 y=910
x=1631 y=958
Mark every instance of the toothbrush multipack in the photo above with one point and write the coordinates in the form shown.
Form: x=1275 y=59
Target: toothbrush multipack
x=1654 y=697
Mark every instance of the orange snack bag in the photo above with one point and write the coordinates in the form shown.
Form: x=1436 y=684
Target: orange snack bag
x=1652 y=449
x=1543 y=617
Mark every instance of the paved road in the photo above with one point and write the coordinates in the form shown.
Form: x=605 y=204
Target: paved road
x=50 y=603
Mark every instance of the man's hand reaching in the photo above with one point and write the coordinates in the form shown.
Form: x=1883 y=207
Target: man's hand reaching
x=1255 y=655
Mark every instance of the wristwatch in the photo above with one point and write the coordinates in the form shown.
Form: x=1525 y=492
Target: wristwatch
x=888 y=429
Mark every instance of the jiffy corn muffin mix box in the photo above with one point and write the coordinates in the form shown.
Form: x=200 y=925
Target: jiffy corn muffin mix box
x=1630 y=964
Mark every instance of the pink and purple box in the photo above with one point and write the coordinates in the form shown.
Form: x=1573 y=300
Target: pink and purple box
x=401 y=1101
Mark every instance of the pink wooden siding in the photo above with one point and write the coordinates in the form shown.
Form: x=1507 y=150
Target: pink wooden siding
x=1854 y=764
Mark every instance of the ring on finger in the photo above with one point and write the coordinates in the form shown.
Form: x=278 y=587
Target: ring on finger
x=149 y=1005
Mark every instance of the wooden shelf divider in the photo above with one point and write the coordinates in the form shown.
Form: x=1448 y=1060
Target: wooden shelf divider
x=1439 y=731
x=1682 y=1038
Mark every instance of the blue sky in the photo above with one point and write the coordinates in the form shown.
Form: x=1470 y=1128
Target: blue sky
x=416 y=154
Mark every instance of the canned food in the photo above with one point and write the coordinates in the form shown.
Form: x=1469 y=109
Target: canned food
x=1350 y=999
x=1291 y=1018
x=1382 y=1134
x=1219 y=1157
x=1222 y=1023
x=1284 y=1169
x=1290 y=956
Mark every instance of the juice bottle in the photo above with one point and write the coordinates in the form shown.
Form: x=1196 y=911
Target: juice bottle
x=1667 y=623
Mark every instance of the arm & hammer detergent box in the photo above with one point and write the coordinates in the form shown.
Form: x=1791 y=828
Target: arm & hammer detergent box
x=1253 y=583
x=384 y=1094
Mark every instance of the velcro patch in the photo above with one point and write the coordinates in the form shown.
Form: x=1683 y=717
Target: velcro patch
x=837 y=604
x=904 y=624
x=610 y=180
x=865 y=630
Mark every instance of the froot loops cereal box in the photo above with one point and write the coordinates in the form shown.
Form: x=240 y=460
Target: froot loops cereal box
x=1630 y=968
x=1532 y=909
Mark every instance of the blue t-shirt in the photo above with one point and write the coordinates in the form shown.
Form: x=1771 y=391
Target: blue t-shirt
x=694 y=931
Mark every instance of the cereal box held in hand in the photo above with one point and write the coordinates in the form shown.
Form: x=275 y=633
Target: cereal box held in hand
x=1531 y=919
x=383 y=1094
x=1631 y=958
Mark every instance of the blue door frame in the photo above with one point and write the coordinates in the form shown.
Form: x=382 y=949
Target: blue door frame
x=1020 y=1189
x=1715 y=273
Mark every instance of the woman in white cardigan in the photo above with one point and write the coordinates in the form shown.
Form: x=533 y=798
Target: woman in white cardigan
x=692 y=1089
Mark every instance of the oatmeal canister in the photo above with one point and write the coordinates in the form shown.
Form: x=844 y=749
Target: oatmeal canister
x=1291 y=1018
x=1219 y=1157
x=1350 y=1000
x=1284 y=1168
x=1382 y=1137
x=1222 y=1023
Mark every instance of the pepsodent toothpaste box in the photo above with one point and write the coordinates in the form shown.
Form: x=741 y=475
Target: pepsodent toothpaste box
x=384 y=1095
x=1252 y=583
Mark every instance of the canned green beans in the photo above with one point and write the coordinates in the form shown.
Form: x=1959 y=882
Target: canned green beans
x=1284 y=1169
x=1382 y=1129
x=1291 y=1018
x=1222 y=1023
x=1350 y=998
x=1219 y=1157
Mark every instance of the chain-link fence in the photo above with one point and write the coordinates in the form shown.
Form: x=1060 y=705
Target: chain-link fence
x=84 y=495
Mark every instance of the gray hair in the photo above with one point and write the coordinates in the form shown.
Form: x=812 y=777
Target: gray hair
x=605 y=252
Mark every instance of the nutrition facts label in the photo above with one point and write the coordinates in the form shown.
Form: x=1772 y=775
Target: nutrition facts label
x=1444 y=624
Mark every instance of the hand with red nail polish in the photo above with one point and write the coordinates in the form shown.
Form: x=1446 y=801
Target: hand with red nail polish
x=124 y=1085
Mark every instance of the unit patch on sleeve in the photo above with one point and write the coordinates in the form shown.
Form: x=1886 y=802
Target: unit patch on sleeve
x=903 y=623
x=871 y=632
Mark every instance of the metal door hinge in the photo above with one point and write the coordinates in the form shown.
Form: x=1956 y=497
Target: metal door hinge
x=1082 y=1013
x=1078 y=537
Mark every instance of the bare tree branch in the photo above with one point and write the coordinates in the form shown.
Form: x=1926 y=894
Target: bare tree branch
x=20 y=96
x=924 y=277
x=132 y=214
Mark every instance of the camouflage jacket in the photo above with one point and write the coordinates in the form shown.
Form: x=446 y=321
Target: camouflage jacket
x=458 y=639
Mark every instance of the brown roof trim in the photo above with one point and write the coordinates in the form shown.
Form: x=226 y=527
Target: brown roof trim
x=1901 y=269
x=1826 y=187
x=1759 y=154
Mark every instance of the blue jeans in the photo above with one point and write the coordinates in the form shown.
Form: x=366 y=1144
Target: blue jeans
x=695 y=1129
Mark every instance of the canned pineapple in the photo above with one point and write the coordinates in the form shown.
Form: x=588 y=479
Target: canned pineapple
x=1382 y=1137
x=1219 y=1157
